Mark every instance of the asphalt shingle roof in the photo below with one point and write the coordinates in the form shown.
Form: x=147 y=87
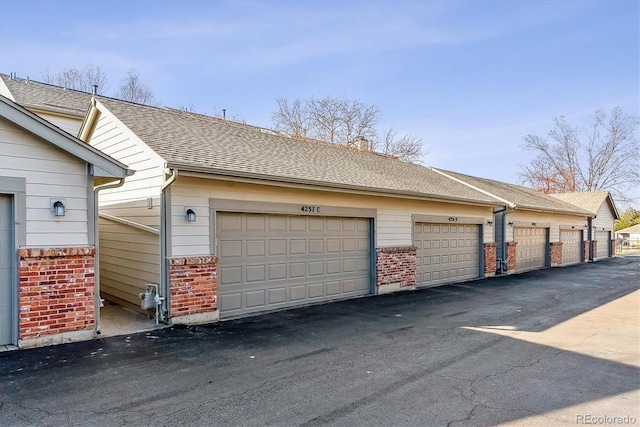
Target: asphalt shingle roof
x=32 y=94
x=633 y=229
x=589 y=201
x=195 y=142
x=522 y=197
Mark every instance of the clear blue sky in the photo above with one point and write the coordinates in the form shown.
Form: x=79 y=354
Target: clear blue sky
x=470 y=78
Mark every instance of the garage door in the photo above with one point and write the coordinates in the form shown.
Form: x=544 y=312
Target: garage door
x=531 y=250
x=572 y=246
x=269 y=262
x=6 y=270
x=446 y=253
x=603 y=244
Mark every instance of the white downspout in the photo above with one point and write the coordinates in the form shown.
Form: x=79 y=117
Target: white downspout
x=96 y=239
x=164 y=270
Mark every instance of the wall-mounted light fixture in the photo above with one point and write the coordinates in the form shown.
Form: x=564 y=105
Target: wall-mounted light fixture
x=533 y=224
x=190 y=214
x=510 y=224
x=573 y=226
x=57 y=207
x=489 y=222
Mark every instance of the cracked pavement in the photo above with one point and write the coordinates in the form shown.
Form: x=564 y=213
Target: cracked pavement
x=536 y=349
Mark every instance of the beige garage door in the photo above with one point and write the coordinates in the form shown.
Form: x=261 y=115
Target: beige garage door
x=572 y=246
x=531 y=249
x=603 y=244
x=446 y=253
x=269 y=262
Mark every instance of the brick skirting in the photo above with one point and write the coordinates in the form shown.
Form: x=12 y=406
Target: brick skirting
x=193 y=285
x=56 y=291
x=395 y=268
x=511 y=256
x=489 y=259
x=555 y=250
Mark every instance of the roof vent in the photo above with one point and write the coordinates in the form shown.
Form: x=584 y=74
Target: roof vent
x=12 y=76
x=95 y=89
x=28 y=80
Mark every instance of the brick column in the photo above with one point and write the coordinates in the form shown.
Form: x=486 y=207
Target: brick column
x=555 y=249
x=594 y=250
x=587 y=245
x=395 y=268
x=511 y=256
x=613 y=247
x=193 y=289
x=56 y=295
x=489 y=259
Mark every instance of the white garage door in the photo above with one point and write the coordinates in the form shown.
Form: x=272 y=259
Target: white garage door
x=531 y=250
x=572 y=246
x=446 y=253
x=269 y=262
x=6 y=269
x=603 y=244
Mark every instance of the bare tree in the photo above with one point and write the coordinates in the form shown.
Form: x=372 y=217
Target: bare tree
x=343 y=121
x=133 y=90
x=407 y=147
x=293 y=119
x=602 y=156
x=83 y=80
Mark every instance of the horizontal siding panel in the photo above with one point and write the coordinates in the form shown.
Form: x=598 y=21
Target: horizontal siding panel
x=57 y=240
x=148 y=264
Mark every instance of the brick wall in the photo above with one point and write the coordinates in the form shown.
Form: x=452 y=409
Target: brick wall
x=56 y=291
x=193 y=285
x=594 y=250
x=555 y=249
x=587 y=244
x=613 y=247
x=489 y=259
x=396 y=267
x=511 y=256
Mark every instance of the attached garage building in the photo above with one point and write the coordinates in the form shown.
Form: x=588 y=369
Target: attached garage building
x=250 y=220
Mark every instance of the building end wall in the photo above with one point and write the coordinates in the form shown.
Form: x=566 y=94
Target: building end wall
x=395 y=269
x=56 y=295
x=193 y=285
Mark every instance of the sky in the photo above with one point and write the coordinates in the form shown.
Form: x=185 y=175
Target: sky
x=469 y=78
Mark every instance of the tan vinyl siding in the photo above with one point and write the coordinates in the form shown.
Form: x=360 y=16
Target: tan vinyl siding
x=129 y=259
x=50 y=173
x=113 y=139
x=67 y=124
x=604 y=218
x=554 y=221
x=393 y=219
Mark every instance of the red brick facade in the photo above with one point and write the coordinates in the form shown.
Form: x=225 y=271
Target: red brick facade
x=396 y=266
x=56 y=291
x=587 y=244
x=489 y=259
x=193 y=285
x=555 y=249
x=511 y=256
x=594 y=250
x=613 y=247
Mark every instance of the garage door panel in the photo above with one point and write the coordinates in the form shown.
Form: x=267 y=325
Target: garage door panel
x=309 y=259
x=446 y=253
x=531 y=248
x=277 y=295
x=602 y=248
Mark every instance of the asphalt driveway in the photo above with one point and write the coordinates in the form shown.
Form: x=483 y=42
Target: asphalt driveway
x=552 y=347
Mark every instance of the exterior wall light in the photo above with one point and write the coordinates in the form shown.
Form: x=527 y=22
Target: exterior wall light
x=533 y=224
x=511 y=224
x=489 y=222
x=190 y=215
x=58 y=208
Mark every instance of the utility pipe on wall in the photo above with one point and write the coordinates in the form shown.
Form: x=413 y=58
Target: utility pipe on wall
x=164 y=229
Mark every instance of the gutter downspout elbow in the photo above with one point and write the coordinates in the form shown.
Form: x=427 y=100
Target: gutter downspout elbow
x=96 y=238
